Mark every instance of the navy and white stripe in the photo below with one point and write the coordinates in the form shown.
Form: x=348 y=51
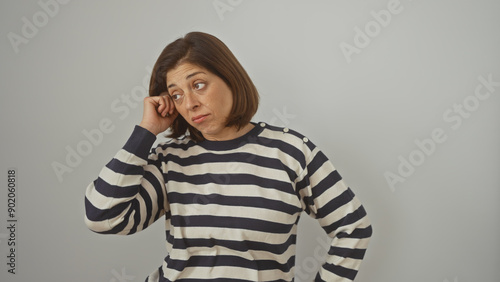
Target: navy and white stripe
x=231 y=208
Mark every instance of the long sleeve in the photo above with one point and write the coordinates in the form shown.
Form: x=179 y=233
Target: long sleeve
x=327 y=198
x=129 y=193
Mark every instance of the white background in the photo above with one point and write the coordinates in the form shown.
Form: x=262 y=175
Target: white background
x=65 y=68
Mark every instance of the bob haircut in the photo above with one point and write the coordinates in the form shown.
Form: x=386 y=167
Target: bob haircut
x=206 y=51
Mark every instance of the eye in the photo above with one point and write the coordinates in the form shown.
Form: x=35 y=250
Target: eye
x=199 y=85
x=176 y=97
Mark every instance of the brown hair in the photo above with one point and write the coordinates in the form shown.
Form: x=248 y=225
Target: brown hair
x=208 y=52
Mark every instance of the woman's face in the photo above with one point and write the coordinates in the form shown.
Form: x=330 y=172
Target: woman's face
x=203 y=99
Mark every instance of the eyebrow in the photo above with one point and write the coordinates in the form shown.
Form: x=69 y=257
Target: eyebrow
x=187 y=77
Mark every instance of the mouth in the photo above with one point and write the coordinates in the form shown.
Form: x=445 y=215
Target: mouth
x=199 y=119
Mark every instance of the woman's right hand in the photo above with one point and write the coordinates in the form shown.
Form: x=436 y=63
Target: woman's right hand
x=159 y=113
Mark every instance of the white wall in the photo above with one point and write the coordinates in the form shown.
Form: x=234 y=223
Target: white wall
x=365 y=100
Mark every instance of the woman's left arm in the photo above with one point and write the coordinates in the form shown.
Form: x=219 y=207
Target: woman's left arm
x=328 y=199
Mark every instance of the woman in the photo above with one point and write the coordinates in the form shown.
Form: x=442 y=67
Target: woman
x=231 y=191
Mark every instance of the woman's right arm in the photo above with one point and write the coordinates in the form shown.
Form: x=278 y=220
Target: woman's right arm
x=129 y=193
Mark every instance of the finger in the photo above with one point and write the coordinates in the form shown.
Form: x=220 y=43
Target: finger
x=160 y=105
x=150 y=104
x=163 y=97
x=172 y=106
x=165 y=102
x=154 y=101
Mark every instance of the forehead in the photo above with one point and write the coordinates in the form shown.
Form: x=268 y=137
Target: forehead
x=180 y=72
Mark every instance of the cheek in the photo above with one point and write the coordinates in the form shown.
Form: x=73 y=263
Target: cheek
x=229 y=103
x=227 y=97
x=228 y=107
x=219 y=100
x=223 y=107
x=182 y=112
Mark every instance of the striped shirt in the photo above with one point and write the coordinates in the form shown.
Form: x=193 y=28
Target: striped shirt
x=231 y=208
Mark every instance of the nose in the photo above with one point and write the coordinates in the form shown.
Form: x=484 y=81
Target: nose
x=191 y=102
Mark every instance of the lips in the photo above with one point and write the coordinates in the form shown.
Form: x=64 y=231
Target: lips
x=199 y=119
